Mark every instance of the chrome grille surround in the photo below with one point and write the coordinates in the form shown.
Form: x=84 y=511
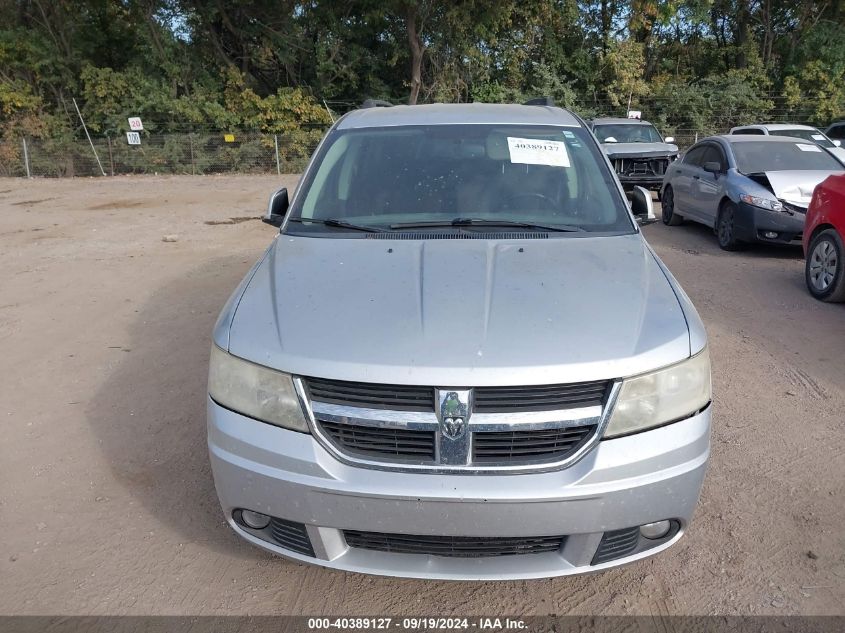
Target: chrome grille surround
x=453 y=455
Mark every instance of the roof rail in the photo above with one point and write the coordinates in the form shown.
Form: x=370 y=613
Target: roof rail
x=376 y=103
x=541 y=101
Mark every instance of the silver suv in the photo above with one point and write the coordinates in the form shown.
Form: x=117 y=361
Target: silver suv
x=639 y=155
x=459 y=358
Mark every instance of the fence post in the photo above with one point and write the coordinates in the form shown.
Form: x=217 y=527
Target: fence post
x=278 y=165
x=191 y=144
x=26 y=158
x=84 y=127
x=111 y=160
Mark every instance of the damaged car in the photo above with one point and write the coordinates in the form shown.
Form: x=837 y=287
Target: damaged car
x=747 y=188
x=638 y=153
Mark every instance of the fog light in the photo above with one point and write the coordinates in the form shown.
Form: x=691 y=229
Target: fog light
x=255 y=520
x=655 y=530
x=770 y=234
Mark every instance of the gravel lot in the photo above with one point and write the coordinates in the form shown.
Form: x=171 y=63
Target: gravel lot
x=107 y=505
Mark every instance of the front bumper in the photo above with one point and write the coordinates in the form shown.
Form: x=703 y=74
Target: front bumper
x=624 y=482
x=752 y=223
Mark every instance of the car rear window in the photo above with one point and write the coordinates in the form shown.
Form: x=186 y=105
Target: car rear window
x=760 y=156
x=814 y=136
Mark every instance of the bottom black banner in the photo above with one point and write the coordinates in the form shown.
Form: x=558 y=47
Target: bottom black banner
x=493 y=624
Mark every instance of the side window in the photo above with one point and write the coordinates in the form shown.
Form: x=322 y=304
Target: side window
x=837 y=132
x=749 y=130
x=723 y=160
x=694 y=157
x=713 y=154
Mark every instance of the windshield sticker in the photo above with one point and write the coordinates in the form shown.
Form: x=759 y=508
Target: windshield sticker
x=808 y=148
x=817 y=137
x=531 y=151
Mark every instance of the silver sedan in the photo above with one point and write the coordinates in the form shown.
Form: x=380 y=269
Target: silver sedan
x=747 y=188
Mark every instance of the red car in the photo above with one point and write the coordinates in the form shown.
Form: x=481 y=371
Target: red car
x=824 y=241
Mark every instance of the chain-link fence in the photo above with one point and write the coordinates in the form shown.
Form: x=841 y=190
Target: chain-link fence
x=188 y=153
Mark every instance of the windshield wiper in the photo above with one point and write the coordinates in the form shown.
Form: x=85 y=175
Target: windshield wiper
x=341 y=224
x=458 y=222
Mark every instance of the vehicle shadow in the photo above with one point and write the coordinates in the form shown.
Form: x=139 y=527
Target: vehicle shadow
x=704 y=237
x=149 y=414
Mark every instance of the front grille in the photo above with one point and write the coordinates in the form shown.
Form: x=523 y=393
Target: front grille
x=453 y=546
x=384 y=424
x=540 y=397
x=617 y=544
x=527 y=446
x=793 y=209
x=367 y=441
x=291 y=535
x=640 y=166
x=371 y=395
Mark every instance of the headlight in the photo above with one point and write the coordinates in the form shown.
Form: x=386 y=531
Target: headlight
x=763 y=203
x=660 y=397
x=258 y=392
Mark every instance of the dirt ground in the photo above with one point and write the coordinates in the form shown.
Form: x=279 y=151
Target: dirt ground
x=107 y=505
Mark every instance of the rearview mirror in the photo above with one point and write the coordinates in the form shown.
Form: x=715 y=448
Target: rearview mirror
x=669 y=139
x=713 y=167
x=610 y=139
x=277 y=208
x=642 y=206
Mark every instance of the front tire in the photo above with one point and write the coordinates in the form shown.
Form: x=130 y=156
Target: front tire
x=726 y=228
x=667 y=203
x=824 y=270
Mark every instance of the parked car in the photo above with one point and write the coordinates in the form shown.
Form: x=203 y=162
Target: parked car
x=806 y=132
x=637 y=151
x=824 y=241
x=459 y=358
x=748 y=188
x=836 y=132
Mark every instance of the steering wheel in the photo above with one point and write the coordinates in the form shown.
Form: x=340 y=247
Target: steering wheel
x=546 y=200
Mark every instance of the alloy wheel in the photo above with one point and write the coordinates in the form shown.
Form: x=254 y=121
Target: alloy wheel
x=823 y=265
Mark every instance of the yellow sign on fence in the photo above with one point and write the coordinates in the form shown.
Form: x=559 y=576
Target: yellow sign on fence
x=229 y=138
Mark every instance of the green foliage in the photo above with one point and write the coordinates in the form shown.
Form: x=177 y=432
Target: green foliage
x=267 y=65
x=625 y=72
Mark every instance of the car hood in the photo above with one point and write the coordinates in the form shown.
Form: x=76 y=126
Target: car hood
x=639 y=150
x=460 y=312
x=796 y=187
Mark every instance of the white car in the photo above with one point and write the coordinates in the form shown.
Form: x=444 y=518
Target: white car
x=806 y=132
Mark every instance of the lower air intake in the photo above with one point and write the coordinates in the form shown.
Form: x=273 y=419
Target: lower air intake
x=291 y=535
x=617 y=544
x=453 y=546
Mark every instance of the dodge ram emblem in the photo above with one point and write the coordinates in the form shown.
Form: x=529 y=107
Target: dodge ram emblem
x=454 y=407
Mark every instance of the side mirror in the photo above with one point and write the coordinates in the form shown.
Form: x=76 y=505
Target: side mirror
x=837 y=142
x=642 y=206
x=277 y=208
x=713 y=167
x=669 y=139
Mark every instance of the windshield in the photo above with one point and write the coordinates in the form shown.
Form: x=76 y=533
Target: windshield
x=627 y=133
x=383 y=178
x=814 y=136
x=757 y=156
